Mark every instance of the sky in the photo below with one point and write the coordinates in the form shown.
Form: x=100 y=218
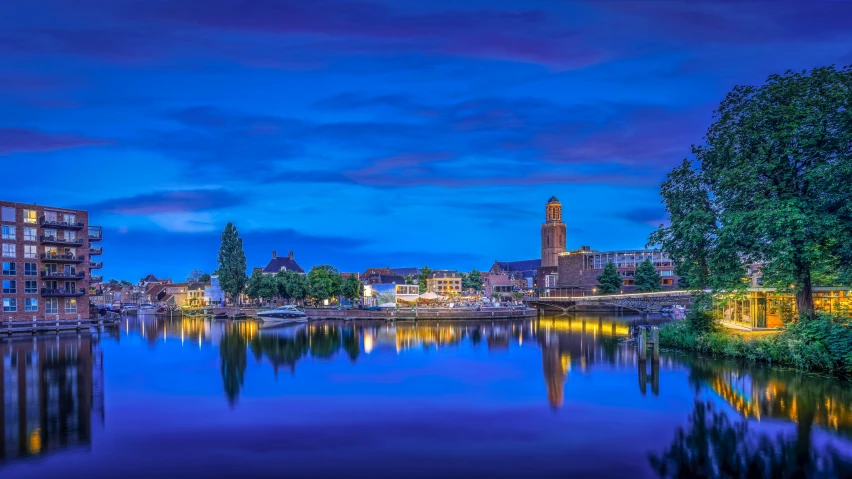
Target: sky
x=368 y=133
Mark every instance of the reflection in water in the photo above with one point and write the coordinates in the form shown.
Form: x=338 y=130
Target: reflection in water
x=50 y=388
x=713 y=446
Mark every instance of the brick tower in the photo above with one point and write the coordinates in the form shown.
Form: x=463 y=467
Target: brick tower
x=552 y=233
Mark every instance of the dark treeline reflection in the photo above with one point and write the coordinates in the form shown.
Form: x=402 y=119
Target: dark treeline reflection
x=714 y=446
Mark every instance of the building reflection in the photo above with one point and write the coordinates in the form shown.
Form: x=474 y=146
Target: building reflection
x=155 y=329
x=51 y=386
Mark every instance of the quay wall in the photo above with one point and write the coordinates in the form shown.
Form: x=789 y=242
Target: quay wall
x=449 y=314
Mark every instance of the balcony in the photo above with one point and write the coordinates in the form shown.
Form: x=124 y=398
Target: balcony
x=96 y=250
x=58 y=223
x=96 y=279
x=96 y=265
x=62 y=258
x=62 y=292
x=62 y=275
x=96 y=233
x=62 y=241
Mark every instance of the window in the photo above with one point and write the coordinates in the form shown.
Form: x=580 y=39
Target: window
x=50 y=233
x=30 y=251
x=10 y=305
x=10 y=251
x=31 y=269
x=70 y=305
x=10 y=269
x=31 y=304
x=10 y=286
x=30 y=234
x=30 y=216
x=51 y=306
x=668 y=282
x=69 y=219
x=8 y=214
x=667 y=272
x=8 y=232
x=51 y=217
x=70 y=236
x=30 y=286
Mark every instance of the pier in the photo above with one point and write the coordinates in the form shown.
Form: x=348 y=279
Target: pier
x=10 y=328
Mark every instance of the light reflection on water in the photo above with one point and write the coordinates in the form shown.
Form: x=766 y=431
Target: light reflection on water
x=532 y=398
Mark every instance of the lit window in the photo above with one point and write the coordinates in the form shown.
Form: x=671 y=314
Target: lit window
x=10 y=305
x=10 y=251
x=30 y=234
x=30 y=286
x=30 y=251
x=31 y=304
x=10 y=286
x=8 y=232
x=30 y=216
x=31 y=269
x=51 y=306
x=10 y=269
x=70 y=305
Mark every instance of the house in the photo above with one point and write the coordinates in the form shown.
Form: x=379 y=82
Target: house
x=523 y=273
x=406 y=272
x=444 y=282
x=195 y=294
x=282 y=263
x=499 y=283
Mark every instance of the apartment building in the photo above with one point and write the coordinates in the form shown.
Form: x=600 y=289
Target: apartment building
x=49 y=257
x=444 y=282
x=579 y=270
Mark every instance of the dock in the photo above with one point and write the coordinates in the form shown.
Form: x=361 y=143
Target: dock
x=10 y=328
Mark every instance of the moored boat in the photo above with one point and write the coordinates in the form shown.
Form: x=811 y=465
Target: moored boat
x=286 y=312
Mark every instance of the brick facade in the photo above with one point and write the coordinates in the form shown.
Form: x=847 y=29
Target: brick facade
x=552 y=234
x=48 y=257
x=579 y=270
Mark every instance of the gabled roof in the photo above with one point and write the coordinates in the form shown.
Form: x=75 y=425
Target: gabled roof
x=282 y=263
x=150 y=279
x=155 y=289
x=391 y=279
x=375 y=271
x=406 y=271
x=524 y=265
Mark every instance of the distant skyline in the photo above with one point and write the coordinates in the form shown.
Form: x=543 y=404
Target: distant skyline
x=370 y=133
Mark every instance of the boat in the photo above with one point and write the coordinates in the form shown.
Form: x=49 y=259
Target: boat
x=287 y=311
x=147 y=308
x=678 y=312
x=128 y=308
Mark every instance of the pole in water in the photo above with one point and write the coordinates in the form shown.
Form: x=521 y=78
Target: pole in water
x=643 y=344
x=655 y=337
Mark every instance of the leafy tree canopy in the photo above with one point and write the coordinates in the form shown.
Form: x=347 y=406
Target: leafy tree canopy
x=232 y=262
x=610 y=282
x=647 y=279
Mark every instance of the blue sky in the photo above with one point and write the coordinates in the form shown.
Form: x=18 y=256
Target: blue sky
x=370 y=133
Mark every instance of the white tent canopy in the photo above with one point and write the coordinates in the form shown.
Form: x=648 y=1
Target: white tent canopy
x=429 y=295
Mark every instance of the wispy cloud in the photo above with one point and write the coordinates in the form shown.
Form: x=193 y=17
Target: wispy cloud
x=169 y=202
x=22 y=140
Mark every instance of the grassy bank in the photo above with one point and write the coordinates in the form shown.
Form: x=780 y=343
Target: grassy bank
x=821 y=344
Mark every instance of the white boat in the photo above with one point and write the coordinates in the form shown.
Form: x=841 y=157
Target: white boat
x=147 y=308
x=288 y=312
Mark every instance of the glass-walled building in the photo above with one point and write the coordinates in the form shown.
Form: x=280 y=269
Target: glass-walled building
x=772 y=308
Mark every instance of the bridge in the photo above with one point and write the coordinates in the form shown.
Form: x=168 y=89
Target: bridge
x=639 y=302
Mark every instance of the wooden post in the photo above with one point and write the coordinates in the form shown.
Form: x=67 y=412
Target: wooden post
x=643 y=344
x=655 y=337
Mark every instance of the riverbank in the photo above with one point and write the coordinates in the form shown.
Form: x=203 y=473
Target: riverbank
x=421 y=313
x=823 y=344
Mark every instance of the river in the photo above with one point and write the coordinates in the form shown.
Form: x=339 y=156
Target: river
x=562 y=396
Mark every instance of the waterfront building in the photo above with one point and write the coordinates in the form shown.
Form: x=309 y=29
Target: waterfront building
x=413 y=273
x=578 y=270
x=213 y=294
x=48 y=259
x=552 y=234
x=772 y=307
x=521 y=273
x=282 y=263
x=496 y=283
x=444 y=282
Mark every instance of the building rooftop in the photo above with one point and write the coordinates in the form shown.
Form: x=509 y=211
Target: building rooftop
x=279 y=263
x=523 y=265
x=444 y=273
x=552 y=200
x=406 y=271
x=391 y=279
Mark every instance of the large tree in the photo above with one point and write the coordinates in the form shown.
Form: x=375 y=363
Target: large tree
x=298 y=287
x=771 y=188
x=325 y=282
x=232 y=262
x=424 y=275
x=473 y=280
x=352 y=288
x=262 y=286
x=610 y=282
x=647 y=278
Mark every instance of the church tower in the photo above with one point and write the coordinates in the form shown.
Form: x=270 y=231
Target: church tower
x=552 y=233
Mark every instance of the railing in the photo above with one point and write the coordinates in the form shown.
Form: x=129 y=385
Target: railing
x=62 y=292
x=96 y=250
x=62 y=275
x=96 y=264
x=65 y=258
x=95 y=233
x=58 y=240
x=96 y=279
x=61 y=224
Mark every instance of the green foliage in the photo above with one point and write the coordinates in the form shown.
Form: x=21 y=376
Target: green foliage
x=204 y=278
x=125 y=283
x=647 y=278
x=298 y=286
x=262 y=286
x=352 y=288
x=472 y=281
x=325 y=282
x=823 y=343
x=700 y=320
x=232 y=262
x=610 y=282
x=771 y=188
x=424 y=275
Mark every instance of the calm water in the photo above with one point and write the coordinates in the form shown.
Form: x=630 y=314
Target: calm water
x=559 y=397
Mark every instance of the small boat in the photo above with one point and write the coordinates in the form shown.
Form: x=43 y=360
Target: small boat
x=678 y=312
x=147 y=308
x=287 y=311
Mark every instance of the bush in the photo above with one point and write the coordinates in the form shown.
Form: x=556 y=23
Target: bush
x=700 y=320
x=822 y=343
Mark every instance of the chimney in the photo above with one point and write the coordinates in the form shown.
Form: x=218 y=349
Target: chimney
x=290 y=255
x=274 y=254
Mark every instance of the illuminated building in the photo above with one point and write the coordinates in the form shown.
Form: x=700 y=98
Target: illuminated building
x=771 y=307
x=552 y=234
x=578 y=270
x=444 y=282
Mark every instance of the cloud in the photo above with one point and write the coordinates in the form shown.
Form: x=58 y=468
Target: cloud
x=22 y=140
x=169 y=202
x=654 y=216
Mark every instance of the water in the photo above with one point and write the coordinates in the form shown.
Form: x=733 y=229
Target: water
x=559 y=397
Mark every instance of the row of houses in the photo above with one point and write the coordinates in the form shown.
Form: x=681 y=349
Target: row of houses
x=163 y=291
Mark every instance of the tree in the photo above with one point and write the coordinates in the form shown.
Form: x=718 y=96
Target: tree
x=204 y=278
x=421 y=280
x=113 y=281
x=298 y=287
x=773 y=176
x=610 y=282
x=261 y=286
x=232 y=262
x=647 y=278
x=283 y=279
x=472 y=281
x=352 y=288
x=194 y=275
x=125 y=283
x=409 y=280
x=321 y=284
